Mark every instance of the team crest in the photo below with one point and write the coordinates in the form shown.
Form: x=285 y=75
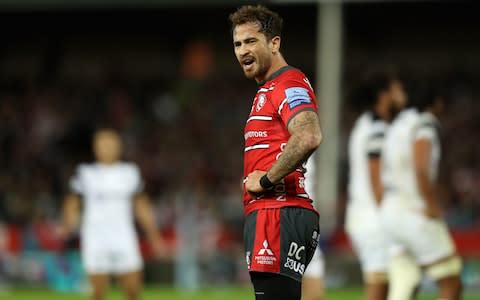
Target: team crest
x=261 y=101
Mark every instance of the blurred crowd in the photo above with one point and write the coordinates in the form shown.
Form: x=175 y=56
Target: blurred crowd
x=186 y=136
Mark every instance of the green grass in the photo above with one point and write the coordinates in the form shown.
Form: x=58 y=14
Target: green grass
x=155 y=293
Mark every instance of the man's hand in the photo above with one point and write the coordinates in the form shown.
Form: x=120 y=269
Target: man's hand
x=252 y=183
x=159 y=248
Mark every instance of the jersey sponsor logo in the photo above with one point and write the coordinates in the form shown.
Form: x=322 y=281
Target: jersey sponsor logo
x=255 y=134
x=294 y=250
x=294 y=258
x=295 y=266
x=297 y=96
x=265 y=255
x=265 y=249
x=262 y=98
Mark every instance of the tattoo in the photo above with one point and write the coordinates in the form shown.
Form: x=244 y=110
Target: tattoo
x=305 y=138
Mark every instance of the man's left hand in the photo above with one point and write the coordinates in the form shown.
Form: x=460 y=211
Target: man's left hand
x=252 y=184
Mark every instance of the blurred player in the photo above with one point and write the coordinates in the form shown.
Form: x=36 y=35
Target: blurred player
x=282 y=131
x=110 y=193
x=365 y=189
x=312 y=282
x=411 y=211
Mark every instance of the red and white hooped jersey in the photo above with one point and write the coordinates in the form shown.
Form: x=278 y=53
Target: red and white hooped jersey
x=286 y=93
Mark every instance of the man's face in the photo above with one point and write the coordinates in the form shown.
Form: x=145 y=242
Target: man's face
x=253 y=51
x=398 y=96
x=107 y=146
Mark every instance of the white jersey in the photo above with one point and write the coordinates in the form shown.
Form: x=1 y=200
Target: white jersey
x=366 y=140
x=398 y=169
x=362 y=222
x=310 y=178
x=107 y=192
x=316 y=267
x=427 y=239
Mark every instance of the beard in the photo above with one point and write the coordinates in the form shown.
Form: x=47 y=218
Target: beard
x=394 y=111
x=260 y=70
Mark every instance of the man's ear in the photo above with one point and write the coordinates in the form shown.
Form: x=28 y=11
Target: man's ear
x=276 y=44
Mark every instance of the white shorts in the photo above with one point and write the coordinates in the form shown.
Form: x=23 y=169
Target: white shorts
x=368 y=239
x=316 y=267
x=428 y=240
x=111 y=258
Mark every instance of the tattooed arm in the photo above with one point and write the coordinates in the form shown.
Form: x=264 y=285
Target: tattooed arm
x=305 y=137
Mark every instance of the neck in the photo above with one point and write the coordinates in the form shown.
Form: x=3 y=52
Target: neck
x=382 y=110
x=278 y=62
x=432 y=110
x=107 y=162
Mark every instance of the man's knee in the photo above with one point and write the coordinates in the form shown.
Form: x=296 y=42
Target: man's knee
x=375 y=278
x=446 y=268
x=404 y=276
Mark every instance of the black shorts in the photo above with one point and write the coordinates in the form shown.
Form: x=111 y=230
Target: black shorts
x=269 y=286
x=281 y=240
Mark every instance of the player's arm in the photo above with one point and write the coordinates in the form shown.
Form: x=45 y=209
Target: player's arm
x=375 y=179
x=374 y=152
x=145 y=217
x=421 y=157
x=71 y=214
x=305 y=137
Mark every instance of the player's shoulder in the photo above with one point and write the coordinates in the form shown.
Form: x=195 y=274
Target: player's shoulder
x=293 y=77
x=361 y=122
x=427 y=119
x=406 y=118
x=378 y=124
x=367 y=122
x=364 y=118
x=128 y=165
x=427 y=124
x=84 y=167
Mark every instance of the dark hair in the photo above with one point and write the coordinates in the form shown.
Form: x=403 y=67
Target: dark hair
x=366 y=94
x=427 y=92
x=270 y=22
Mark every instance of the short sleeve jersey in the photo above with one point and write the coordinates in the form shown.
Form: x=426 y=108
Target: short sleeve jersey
x=107 y=192
x=366 y=140
x=397 y=160
x=428 y=128
x=285 y=94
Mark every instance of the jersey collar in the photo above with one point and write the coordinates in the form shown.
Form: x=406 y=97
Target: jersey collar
x=276 y=74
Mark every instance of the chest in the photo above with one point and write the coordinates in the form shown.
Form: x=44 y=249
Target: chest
x=109 y=183
x=263 y=113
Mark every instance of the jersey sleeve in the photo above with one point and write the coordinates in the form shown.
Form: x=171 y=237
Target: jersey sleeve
x=425 y=129
x=291 y=97
x=375 y=139
x=76 y=183
x=139 y=183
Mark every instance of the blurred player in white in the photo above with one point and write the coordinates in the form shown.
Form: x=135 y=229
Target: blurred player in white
x=365 y=189
x=109 y=192
x=312 y=281
x=411 y=211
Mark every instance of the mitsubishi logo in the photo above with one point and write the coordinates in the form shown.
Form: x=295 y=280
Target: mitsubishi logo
x=265 y=249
